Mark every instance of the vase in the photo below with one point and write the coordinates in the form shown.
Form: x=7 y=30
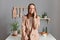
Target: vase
x=15 y=33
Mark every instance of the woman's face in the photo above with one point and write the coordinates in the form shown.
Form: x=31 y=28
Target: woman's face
x=31 y=9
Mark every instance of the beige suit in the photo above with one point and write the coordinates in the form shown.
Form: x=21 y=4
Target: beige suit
x=30 y=32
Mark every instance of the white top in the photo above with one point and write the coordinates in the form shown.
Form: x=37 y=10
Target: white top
x=49 y=37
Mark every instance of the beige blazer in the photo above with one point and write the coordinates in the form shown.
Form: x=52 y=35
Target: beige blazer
x=30 y=32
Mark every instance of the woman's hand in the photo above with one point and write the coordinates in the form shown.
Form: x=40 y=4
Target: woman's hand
x=35 y=14
x=34 y=23
x=26 y=37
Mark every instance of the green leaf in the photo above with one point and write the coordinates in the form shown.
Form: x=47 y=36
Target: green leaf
x=15 y=26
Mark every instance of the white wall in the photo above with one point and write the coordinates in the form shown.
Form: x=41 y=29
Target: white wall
x=54 y=11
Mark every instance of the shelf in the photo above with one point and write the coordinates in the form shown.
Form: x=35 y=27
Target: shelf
x=45 y=19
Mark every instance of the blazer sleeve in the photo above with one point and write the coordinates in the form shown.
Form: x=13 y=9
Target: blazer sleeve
x=36 y=22
x=23 y=26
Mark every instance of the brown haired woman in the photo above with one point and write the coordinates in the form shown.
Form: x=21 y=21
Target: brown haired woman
x=30 y=24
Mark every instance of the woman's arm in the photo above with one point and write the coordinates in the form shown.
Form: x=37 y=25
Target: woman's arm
x=36 y=22
x=23 y=27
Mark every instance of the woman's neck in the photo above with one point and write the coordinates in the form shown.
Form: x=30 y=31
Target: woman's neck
x=30 y=15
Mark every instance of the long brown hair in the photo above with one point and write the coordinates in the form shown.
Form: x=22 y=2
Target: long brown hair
x=29 y=8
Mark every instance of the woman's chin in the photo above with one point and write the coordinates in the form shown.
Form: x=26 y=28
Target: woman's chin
x=31 y=12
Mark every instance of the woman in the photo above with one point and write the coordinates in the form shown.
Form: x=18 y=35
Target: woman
x=30 y=24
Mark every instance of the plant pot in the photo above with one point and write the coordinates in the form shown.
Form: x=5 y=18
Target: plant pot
x=45 y=16
x=44 y=34
x=15 y=33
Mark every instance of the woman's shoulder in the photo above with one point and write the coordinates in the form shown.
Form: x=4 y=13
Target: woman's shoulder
x=24 y=17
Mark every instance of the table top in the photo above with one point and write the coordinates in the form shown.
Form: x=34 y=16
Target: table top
x=48 y=37
x=18 y=37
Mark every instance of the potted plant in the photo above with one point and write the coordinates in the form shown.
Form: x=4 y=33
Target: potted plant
x=44 y=32
x=44 y=15
x=14 y=28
